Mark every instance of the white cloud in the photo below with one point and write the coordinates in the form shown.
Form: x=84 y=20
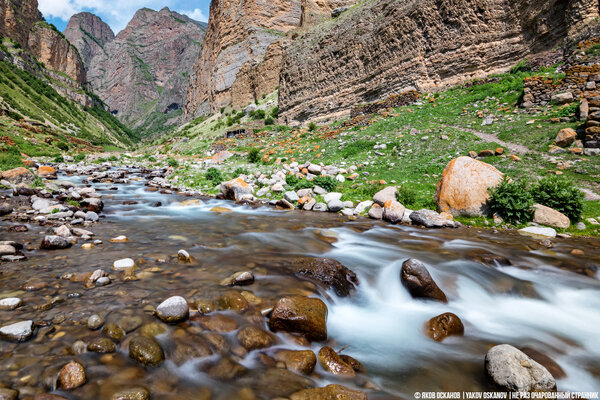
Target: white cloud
x=197 y=14
x=116 y=13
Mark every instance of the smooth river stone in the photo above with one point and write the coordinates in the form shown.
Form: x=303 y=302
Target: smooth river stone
x=17 y=332
x=125 y=263
x=173 y=309
x=10 y=303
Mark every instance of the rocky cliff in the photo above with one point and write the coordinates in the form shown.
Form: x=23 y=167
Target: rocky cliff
x=382 y=47
x=21 y=21
x=89 y=34
x=143 y=73
x=242 y=54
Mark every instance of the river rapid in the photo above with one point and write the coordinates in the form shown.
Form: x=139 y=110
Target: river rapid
x=547 y=299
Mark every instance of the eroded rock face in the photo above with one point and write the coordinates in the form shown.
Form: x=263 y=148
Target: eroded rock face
x=381 y=47
x=89 y=34
x=144 y=69
x=463 y=188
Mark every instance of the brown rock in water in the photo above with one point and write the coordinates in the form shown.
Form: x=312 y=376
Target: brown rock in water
x=102 y=345
x=217 y=323
x=332 y=362
x=331 y=392
x=463 y=188
x=18 y=175
x=416 y=279
x=233 y=300
x=327 y=272
x=226 y=369
x=133 y=393
x=444 y=325
x=253 y=338
x=8 y=394
x=548 y=363
x=302 y=315
x=186 y=350
x=146 y=351
x=48 y=396
x=487 y=258
x=354 y=363
x=71 y=376
x=301 y=361
x=113 y=331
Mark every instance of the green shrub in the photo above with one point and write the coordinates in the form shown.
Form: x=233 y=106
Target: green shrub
x=38 y=182
x=275 y=112
x=326 y=182
x=59 y=159
x=10 y=158
x=354 y=148
x=171 y=162
x=240 y=171
x=259 y=114
x=254 y=155
x=304 y=184
x=406 y=196
x=112 y=158
x=312 y=127
x=63 y=146
x=269 y=121
x=512 y=201
x=292 y=180
x=79 y=157
x=561 y=195
x=214 y=175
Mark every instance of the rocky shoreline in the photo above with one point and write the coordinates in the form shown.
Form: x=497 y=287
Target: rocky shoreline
x=67 y=211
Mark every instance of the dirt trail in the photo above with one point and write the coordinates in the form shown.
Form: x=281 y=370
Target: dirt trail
x=513 y=147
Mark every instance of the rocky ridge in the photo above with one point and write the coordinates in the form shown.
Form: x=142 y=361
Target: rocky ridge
x=380 y=48
x=141 y=74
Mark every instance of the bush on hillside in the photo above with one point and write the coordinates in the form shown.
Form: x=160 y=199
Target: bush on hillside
x=512 y=201
x=254 y=155
x=559 y=194
x=326 y=182
x=292 y=180
x=214 y=175
x=171 y=162
x=240 y=171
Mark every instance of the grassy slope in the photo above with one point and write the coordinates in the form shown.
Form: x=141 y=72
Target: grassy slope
x=441 y=128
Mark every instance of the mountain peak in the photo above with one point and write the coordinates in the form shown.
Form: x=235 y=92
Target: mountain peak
x=89 y=34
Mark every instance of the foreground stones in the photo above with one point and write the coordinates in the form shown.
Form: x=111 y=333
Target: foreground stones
x=173 y=310
x=146 y=351
x=333 y=363
x=512 y=370
x=331 y=392
x=463 y=188
x=416 y=279
x=300 y=315
x=17 y=332
x=237 y=190
x=71 y=376
x=18 y=175
x=10 y=303
x=301 y=361
x=440 y=327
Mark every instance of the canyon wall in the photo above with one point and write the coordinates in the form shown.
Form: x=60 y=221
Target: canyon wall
x=89 y=34
x=382 y=47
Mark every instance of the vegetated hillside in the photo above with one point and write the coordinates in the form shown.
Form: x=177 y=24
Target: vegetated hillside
x=382 y=47
x=26 y=97
x=142 y=74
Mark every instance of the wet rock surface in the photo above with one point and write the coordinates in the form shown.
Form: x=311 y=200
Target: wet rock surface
x=302 y=315
x=444 y=325
x=416 y=279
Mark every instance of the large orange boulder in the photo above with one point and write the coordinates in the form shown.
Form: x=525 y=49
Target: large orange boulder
x=565 y=137
x=463 y=188
x=18 y=175
x=46 y=171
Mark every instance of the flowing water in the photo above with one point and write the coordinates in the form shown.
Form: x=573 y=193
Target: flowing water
x=547 y=299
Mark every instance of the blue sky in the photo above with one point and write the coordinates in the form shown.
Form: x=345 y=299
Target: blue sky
x=117 y=13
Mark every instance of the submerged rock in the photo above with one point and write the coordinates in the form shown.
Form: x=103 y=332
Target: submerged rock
x=10 y=303
x=71 y=376
x=253 y=338
x=146 y=351
x=332 y=362
x=331 y=392
x=302 y=315
x=243 y=278
x=300 y=361
x=512 y=370
x=416 y=279
x=133 y=393
x=440 y=327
